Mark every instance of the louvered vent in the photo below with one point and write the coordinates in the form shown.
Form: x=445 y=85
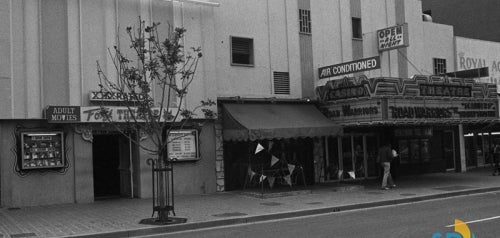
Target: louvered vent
x=281 y=82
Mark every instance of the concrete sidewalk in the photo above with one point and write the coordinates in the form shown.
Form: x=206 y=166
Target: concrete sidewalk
x=120 y=218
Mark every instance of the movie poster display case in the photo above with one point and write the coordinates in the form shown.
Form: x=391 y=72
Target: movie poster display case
x=42 y=150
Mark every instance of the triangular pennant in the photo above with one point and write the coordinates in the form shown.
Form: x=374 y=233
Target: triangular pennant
x=274 y=160
x=262 y=178
x=251 y=175
x=259 y=148
x=288 y=179
x=339 y=175
x=291 y=167
x=352 y=174
x=271 y=181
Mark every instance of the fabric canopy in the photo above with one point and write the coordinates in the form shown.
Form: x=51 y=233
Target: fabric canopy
x=267 y=121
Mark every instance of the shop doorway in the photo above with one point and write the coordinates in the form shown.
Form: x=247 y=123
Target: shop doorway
x=351 y=157
x=111 y=166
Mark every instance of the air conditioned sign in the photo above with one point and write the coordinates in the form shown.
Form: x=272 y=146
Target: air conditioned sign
x=392 y=37
x=349 y=67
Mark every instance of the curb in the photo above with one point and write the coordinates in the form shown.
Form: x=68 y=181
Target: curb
x=267 y=217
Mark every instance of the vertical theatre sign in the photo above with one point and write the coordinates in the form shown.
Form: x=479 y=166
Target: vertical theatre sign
x=393 y=37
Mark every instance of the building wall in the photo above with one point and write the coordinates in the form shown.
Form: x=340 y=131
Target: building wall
x=273 y=25
x=473 y=53
x=48 y=187
x=438 y=43
x=49 y=51
x=333 y=43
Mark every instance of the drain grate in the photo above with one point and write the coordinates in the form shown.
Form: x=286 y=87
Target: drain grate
x=454 y=188
x=230 y=214
x=22 y=235
x=271 y=203
x=407 y=194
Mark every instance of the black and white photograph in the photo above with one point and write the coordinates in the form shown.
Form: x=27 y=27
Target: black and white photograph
x=250 y=118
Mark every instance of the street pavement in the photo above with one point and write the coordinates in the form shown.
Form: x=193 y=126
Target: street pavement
x=121 y=217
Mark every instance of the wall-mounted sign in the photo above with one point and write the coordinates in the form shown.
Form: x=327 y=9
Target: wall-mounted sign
x=473 y=54
x=76 y=114
x=114 y=96
x=440 y=90
x=444 y=110
x=62 y=114
x=393 y=37
x=358 y=111
x=348 y=92
x=183 y=145
x=349 y=67
x=119 y=114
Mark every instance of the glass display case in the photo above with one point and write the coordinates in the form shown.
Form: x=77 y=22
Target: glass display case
x=41 y=150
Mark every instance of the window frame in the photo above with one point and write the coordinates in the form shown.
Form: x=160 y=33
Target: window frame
x=359 y=31
x=251 y=51
x=439 y=66
x=305 y=26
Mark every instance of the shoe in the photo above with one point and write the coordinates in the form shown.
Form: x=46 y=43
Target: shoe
x=393 y=186
x=385 y=188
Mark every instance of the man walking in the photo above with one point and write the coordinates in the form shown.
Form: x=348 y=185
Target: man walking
x=386 y=156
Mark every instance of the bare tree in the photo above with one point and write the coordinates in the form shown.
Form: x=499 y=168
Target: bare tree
x=153 y=86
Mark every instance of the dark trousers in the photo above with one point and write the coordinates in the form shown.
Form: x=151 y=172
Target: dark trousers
x=496 y=170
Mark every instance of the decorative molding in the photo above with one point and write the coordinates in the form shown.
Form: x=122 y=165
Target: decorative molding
x=142 y=135
x=85 y=131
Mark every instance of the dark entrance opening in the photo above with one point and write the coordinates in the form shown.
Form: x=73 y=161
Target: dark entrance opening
x=106 y=163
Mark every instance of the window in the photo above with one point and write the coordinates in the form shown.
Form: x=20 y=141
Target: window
x=241 y=51
x=356 y=28
x=304 y=21
x=439 y=66
x=281 y=82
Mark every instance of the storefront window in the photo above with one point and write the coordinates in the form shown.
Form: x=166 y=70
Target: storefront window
x=404 y=155
x=424 y=150
x=332 y=166
x=372 y=151
x=347 y=157
x=414 y=151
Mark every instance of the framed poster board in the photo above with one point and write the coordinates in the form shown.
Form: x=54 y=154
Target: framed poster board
x=42 y=150
x=183 y=145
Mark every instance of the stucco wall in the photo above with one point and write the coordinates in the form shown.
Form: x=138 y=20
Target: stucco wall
x=439 y=43
x=472 y=53
x=276 y=47
x=35 y=187
x=190 y=177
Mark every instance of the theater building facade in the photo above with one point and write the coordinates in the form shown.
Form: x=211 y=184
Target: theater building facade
x=425 y=119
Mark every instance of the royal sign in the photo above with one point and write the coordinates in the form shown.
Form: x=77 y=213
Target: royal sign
x=349 y=67
x=393 y=37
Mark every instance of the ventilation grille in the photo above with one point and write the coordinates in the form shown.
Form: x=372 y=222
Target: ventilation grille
x=281 y=82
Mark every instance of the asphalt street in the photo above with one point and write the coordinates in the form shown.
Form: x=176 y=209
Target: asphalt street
x=420 y=219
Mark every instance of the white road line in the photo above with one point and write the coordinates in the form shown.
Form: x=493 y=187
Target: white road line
x=475 y=221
